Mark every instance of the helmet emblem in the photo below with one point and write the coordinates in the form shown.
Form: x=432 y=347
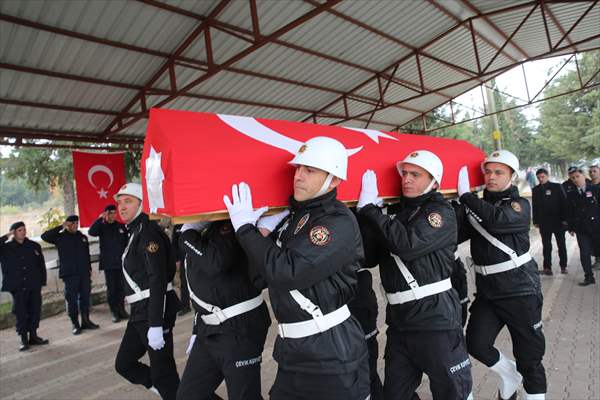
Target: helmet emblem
x=416 y=153
x=302 y=149
x=496 y=154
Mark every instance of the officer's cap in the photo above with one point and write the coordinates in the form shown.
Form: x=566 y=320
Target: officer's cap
x=574 y=168
x=17 y=225
x=72 y=218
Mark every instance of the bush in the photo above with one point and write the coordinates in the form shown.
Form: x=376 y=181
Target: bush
x=52 y=218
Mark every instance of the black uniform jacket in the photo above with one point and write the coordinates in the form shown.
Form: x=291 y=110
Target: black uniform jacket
x=23 y=265
x=151 y=264
x=113 y=239
x=506 y=216
x=73 y=251
x=217 y=272
x=320 y=252
x=422 y=232
x=549 y=206
x=584 y=209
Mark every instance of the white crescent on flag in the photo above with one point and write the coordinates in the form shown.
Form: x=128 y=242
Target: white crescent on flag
x=100 y=168
x=254 y=129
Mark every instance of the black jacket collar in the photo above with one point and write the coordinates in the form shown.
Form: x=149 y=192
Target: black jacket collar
x=326 y=201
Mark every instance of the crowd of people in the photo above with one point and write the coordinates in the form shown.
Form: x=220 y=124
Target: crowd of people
x=315 y=258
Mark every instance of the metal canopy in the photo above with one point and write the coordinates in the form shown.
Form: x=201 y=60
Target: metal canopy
x=88 y=71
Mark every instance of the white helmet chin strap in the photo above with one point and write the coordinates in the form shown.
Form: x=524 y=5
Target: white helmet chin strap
x=324 y=187
x=428 y=188
x=139 y=211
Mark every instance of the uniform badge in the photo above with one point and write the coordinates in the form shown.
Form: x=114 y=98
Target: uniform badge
x=302 y=149
x=152 y=247
x=301 y=223
x=516 y=206
x=548 y=192
x=588 y=194
x=435 y=220
x=319 y=236
x=225 y=229
x=414 y=154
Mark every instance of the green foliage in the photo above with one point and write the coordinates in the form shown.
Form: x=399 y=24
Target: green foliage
x=51 y=218
x=16 y=192
x=132 y=165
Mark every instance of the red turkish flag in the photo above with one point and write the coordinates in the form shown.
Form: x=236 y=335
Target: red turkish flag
x=98 y=176
x=191 y=159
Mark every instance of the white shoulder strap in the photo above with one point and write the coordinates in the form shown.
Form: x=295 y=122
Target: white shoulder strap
x=134 y=286
x=306 y=304
x=495 y=242
x=208 y=307
x=408 y=277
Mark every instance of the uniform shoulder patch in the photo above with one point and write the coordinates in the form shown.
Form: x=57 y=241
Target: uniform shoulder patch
x=435 y=220
x=152 y=247
x=516 y=206
x=319 y=236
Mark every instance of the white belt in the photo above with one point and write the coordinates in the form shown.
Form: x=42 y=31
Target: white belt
x=419 y=292
x=315 y=325
x=503 y=266
x=221 y=315
x=143 y=294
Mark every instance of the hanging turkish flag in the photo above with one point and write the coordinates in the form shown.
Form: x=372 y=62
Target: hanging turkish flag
x=191 y=159
x=98 y=176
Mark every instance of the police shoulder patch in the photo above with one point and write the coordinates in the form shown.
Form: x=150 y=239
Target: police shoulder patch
x=152 y=247
x=319 y=236
x=516 y=206
x=435 y=220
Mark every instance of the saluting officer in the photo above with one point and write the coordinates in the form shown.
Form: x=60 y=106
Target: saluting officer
x=232 y=319
x=148 y=268
x=549 y=207
x=75 y=270
x=310 y=263
x=584 y=221
x=508 y=284
x=113 y=239
x=23 y=275
x=417 y=242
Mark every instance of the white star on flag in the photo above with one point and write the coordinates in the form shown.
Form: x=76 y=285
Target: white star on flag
x=103 y=193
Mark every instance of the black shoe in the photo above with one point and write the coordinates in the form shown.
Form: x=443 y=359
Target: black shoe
x=564 y=271
x=34 y=339
x=184 y=311
x=587 y=282
x=115 y=317
x=24 y=343
x=76 y=330
x=86 y=323
x=548 y=272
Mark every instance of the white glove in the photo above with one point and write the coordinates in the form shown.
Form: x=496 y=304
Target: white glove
x=196 y=226
x=368 y=190
x=241 y=211
x=270 y=222
x=463 y=181
x=155 y=337
x=189 y=348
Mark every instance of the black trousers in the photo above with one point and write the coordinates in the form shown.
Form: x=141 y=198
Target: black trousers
x=522 y=316
x=222 y=357
x=115 y=292
x=588 y=245
x=367 y=317
x=184 y=291
x=290 y=385
x=162 y=372
x=77 y=294
x=559 y=235
x=27 y=306
x=442 y=355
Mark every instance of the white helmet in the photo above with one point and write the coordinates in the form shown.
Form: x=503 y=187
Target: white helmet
x=132 y=189
x=426 y=160
x=503 y=157
x=324 y=153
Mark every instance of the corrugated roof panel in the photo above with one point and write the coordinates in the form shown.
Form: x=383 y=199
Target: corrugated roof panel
x=394 y=116
x=273 y=15
x=456 y=48
x=408 y=72
x=588 y=27
x=28 y=117
x=486 y=6
x=437 y=75
x=226 y=46
x=334 y=36
x=396 y=93
x=426 y=102
x=401 y=19
x=280 y=61
x=530 y=37
x=203 y=7
x=236 y=13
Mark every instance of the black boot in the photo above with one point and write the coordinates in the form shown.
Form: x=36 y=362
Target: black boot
x=24 y=342
x=114 y=312
x=122 y=313
x=86 y=323
x=76 y=327
x=588 y=281
x=34 y=339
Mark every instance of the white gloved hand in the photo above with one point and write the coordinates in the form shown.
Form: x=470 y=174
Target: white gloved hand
x=463 y=181
x=155 y=337
x=191 y=344
x=368 y=190
x=240 y=210
x=197 y=226
x=270 y=222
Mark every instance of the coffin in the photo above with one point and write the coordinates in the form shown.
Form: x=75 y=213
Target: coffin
x=191 y=159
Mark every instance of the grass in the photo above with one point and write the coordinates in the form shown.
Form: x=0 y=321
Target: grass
x=5 y=308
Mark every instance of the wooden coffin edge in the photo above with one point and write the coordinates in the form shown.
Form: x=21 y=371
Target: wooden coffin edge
x=223 y=214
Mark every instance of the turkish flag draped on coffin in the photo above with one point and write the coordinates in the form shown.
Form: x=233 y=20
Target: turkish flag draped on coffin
x=191 y=159
x=98 y=176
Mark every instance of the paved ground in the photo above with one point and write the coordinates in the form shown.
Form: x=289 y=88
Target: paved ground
x=81 y=367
